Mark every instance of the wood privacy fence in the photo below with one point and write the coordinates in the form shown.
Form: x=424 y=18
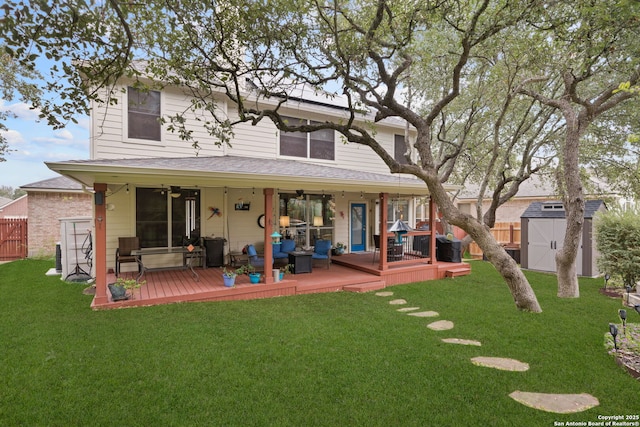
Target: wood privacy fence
x=13 y=239
x=507 y=233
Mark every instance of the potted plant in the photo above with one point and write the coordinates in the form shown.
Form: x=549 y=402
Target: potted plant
x=229 y=277
x=338 y=249
x=286 y=270
x=123 y=288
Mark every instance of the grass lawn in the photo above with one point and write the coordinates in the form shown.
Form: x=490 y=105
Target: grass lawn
x=337 y=359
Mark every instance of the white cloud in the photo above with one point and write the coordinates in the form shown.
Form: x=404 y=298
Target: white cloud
x=13 y=137
x=22 y=110
x=64 y=134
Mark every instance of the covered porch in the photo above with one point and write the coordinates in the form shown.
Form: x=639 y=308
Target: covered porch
x=243 y=201
x=348 y=273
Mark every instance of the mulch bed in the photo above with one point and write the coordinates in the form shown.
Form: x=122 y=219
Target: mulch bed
x=628 y=353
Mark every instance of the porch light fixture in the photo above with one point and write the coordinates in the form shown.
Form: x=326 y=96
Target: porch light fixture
x=285 y=221
x=300 y=193
x=175 y=192
x=613 y=330
x=275 y=238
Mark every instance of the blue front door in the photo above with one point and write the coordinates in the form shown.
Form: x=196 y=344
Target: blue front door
x=358 y=227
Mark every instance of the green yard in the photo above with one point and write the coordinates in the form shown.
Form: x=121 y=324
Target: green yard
x=337 y=359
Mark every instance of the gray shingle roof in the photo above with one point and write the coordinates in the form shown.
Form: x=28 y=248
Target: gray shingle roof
x=535 y=210
x=238 y=164
x=58 y=183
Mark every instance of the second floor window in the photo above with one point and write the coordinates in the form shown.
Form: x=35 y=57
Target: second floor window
x=143 y=114
x=313 y=145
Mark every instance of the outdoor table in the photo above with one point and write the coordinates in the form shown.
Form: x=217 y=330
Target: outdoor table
x=301 y=261
x=188 y=254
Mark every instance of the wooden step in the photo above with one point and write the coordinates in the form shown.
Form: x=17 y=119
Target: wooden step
x=366 y=287
x=455 y=272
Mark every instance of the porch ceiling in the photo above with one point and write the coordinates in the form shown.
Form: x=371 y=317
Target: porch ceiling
x=235 y=171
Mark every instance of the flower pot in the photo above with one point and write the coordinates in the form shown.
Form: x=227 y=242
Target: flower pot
x=254 y=277
x=229 y=281
x=281 y=275
x=118 y=292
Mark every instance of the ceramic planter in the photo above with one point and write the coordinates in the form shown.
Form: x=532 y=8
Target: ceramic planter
x=229 y=281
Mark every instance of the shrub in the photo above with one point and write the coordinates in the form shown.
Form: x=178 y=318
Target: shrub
x=617 y=235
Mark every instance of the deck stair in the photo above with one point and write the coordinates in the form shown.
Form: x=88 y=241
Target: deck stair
x=366 y=287
x=459 y=271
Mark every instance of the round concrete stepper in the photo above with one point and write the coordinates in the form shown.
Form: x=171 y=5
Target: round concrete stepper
x=462 y=341
x=441 y=325
x=398 y=302
x=557 y=403
x=384 y=294
x=425 y=314
x=502 y=363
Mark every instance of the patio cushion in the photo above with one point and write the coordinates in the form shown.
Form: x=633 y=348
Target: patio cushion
x=288 y=245
x=322 y=250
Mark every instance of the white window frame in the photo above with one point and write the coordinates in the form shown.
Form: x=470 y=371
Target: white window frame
x=125 y=122
x=308 y=138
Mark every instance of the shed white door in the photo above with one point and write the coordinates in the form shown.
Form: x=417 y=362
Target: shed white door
x=546 y=237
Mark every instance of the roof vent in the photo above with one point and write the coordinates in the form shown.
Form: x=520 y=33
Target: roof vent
x=552 y=206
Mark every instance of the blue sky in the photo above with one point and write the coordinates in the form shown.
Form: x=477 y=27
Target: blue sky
x=34 y=142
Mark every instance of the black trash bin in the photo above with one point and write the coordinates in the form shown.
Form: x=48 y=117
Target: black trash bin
x=448 y=250
x=215 y=251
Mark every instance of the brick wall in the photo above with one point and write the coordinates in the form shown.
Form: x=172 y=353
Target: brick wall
x=45 y=211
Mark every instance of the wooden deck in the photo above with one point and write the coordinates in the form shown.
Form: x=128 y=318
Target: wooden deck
x=349 y=272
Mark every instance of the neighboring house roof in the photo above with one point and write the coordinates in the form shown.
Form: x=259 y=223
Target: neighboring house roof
x=535 y=209
x=235 y=171
x=17 y=208
x=4 y=201
x=60 y=183
x=536 y=187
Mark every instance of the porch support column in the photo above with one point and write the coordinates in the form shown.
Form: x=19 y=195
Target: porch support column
x=383 y=265
x=432 y=228
x=100 y=243
x=268 y=230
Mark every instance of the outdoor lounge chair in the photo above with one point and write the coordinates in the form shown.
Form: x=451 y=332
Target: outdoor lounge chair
x=254 y=259
x=281 y=250
x=123 y=253
x=322 y=251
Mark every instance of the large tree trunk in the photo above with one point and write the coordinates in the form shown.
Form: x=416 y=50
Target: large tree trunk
x=566 y=257
x=521 y=291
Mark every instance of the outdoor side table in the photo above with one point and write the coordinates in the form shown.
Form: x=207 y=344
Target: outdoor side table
x=301 y=261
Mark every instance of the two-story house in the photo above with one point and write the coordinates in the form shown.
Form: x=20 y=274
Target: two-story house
x=151 y=184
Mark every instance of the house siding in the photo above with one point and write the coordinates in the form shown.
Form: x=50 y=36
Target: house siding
x=48 y=208
x=262 y=140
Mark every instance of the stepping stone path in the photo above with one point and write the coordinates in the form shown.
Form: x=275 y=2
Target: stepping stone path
x=384 y=294
x=424 y=314
x=405 y=309
x=441 y=325
x=556 y=403
x=501 y=363
x=461 y=341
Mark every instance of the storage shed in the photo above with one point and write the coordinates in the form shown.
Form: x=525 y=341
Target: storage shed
x=543 y=226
